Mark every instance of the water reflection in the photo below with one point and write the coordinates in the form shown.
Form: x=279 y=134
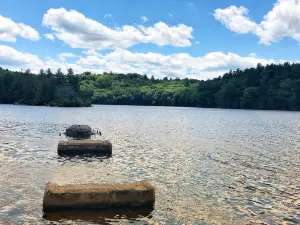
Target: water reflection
x=89 y=157
x=104 y=216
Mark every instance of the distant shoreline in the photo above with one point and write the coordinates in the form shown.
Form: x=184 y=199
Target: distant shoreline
x=270 y=87
x=50 y=106
x=92 y=105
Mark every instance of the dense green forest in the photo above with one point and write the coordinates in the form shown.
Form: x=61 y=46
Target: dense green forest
x=264 y=87
x=46 y=88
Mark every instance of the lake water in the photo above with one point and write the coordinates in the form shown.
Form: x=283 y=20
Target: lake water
x=209 y=166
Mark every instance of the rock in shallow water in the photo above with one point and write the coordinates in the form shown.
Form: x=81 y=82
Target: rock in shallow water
x=79 y=131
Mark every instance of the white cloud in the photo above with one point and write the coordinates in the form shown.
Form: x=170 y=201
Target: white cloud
x=54 y=65
x=144 y=19
x=181 y=65
x=209 y=66
x=9 y=56
x=9 y=30
x=49 y=36
x=107 y=16
x=170 y=14
x=63 y=56
x=235 y=19
x=282 y=21
x=197 y=42
x=81 y=32
x=12 y=59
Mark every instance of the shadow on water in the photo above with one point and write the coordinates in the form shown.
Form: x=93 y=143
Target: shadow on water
x=103 y=216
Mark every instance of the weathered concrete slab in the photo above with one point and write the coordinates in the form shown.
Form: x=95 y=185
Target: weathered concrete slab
x=75 y=147
x=95 y=196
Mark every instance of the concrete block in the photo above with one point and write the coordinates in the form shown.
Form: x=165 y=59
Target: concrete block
x=98 y=196
x=75 y=147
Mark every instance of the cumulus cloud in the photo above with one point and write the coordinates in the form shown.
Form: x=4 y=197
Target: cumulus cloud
x=282 y=21
x=235 y=19
x=79 y=31
x=9 y=30
x=65 y=55
x=9 y=56
x=49 y=36
x=12 y=59
x=181 y=65
x=144 y=19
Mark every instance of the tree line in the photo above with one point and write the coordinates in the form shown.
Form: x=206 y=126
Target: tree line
x=273 y=87
x=46 y=88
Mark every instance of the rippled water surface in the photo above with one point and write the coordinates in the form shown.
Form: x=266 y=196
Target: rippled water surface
x=208 y=166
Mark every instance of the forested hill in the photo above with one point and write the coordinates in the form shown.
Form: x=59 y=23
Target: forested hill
x=47 y=88
x=263 y=87
x=269 y=87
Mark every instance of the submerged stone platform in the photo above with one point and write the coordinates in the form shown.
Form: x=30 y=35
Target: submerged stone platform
x=75 y=147
x=97 y=196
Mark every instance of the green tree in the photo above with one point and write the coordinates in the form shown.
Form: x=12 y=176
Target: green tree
x=250 y=98
x=60 y=78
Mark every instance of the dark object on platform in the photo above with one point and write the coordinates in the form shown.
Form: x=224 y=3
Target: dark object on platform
x=79 y=131
x=81 y=147
x=97 y=196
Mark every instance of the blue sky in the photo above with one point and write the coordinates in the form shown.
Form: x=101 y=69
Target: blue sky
x=175 y=38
